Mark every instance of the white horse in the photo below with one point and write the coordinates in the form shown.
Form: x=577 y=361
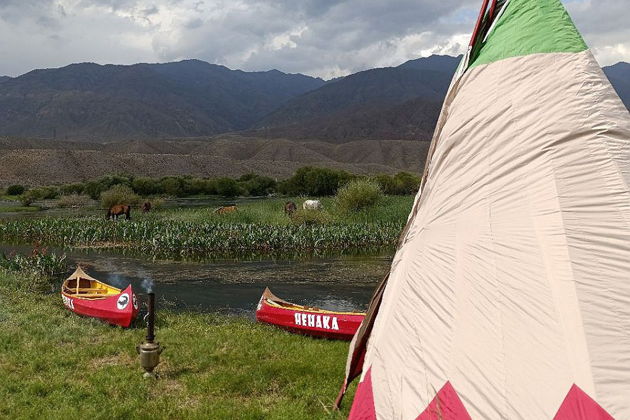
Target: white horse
x=312 y=205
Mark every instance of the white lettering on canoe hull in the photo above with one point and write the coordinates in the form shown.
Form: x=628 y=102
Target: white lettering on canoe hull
x=68 y=302
x=317 y=321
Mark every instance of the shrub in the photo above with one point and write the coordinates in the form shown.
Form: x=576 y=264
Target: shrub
x=403 y=183
x=157 y=203
x=387 y=184
x=119 y=194
x=314 y=181
x=27 y=198
x=257 y=185
x=16 y=190
x=227 y=187
x=310 y=217
x=146 y=186
x=172 y=186
x=94 y=189
x=73 y=201
x=69 y=189
x=406 y=183
x=194 y=186
x=359 y=194
x=45 y=193
x=41 y=193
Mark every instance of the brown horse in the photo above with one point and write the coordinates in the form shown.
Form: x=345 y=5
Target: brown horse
x=226 y=209
x=289 y=208
x=146 y=207
x=119 y=210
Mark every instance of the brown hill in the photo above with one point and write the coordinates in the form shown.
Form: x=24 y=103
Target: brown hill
x=40 y=162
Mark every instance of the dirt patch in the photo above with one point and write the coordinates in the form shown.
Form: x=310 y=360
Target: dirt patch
x=121 y=359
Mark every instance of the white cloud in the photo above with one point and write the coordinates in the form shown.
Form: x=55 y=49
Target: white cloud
x=326 y=38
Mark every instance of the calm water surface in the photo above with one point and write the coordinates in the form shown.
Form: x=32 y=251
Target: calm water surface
x=335 y=283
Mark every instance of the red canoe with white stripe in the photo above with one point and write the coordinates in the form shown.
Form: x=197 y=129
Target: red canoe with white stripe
x=307 y=320
x=85 y=295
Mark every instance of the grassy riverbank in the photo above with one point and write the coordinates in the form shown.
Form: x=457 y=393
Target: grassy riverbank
x=258 y=226
x=54 y=364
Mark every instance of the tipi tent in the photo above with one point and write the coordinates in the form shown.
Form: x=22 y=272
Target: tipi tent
x=509 y=294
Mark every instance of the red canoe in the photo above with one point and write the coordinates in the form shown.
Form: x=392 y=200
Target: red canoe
x=307 y=320
x=87 y=296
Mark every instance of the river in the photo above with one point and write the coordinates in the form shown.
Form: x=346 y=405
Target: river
x=233 y=286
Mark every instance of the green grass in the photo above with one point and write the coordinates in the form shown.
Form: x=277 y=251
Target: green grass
x=54 y=364
x=257 y=227
x=270 y=211
x=9 y=197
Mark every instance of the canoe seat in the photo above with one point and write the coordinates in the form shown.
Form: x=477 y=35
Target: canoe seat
x=88 y=295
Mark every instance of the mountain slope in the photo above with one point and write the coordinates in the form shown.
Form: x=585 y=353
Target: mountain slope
x=45 y=161
x=393 y=103
x=619 y=76
x=195 y=99
x=184 y=99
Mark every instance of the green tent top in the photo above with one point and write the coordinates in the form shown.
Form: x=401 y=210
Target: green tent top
x=527 y=27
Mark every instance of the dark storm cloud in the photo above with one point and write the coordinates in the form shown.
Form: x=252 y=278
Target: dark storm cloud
x=320 y=37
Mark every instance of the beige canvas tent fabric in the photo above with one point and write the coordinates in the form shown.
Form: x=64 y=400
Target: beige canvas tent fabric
x=512 y=282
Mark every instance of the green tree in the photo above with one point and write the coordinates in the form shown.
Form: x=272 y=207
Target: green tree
x=228 y=187
x=313 y=181
x=146 y=186
x=16 y=190
x=119 y=194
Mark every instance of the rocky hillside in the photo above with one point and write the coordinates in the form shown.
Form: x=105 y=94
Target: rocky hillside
x=43 y=162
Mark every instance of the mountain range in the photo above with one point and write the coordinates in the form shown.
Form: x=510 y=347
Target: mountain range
x=193 y=98
x=184 y=99
x=619 y=76
x=86 y=120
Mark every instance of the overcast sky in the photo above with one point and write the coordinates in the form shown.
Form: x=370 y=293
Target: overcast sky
x=325 y=38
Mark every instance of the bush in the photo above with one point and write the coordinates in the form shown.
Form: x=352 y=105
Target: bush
x=358 y=195
x=314 y=181
x=70 y=189
x=16 y=190
x=172 y=186
x=73 y=201
x=227 y=187
x=406 y=183
x=257 y=185
x=146 y=186
x=27 y=198
x=403 y=183
x=310 y=217
x=119 y=194
x=42 y=193
x=157 y=203
x=45 y=193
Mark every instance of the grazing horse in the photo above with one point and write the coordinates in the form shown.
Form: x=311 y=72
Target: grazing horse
x=289 y=208
x=119 y=210
x=312 y=205
x=226 y=209
x=146 y=207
